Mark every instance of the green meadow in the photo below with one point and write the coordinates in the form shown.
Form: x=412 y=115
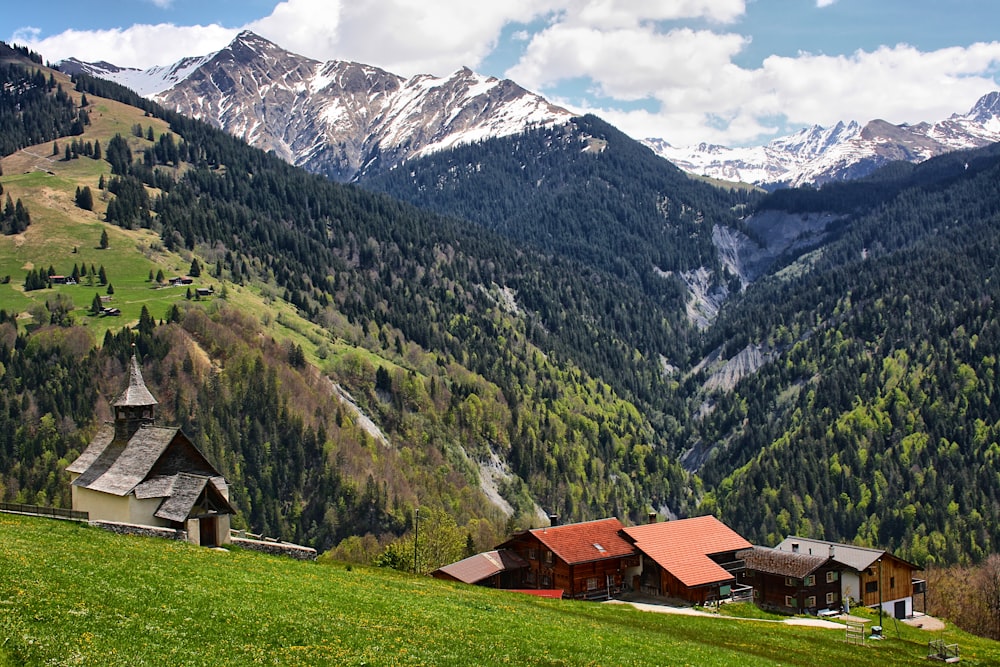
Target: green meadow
x=75 y=595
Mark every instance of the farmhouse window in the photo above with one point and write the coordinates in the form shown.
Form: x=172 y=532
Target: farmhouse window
x=892 y=582
x=529 y=576
x=790 y=581
x=811 y=601
x=548 y=557
x=532 y=554
x=810 y=580
x=593 y=583
x=831 y=576
x=831 y=598
x=790 y=601
x=546 y=580
x=871 y=587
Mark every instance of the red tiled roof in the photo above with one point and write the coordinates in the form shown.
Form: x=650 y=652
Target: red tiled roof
x=585 y=542
x=683 y=547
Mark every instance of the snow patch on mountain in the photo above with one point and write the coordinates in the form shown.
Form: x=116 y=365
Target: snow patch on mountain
x=336 y=118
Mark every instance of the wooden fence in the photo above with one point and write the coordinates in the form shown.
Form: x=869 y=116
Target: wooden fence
x=51 y=512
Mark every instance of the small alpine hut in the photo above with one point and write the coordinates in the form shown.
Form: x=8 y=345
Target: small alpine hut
x=136 y=473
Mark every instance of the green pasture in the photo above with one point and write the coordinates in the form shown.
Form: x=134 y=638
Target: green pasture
x=72 y=594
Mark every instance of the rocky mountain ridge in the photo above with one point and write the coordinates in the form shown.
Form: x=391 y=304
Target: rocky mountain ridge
x=341 y=119
x=818 y=155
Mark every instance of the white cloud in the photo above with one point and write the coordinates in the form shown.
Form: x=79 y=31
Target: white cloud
x=692 y=89
x=137 y=46
x=626 y=53
x=162 y=4
x=824 y=3
x=403 y=36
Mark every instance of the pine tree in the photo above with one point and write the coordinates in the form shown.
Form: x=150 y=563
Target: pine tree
x=102 y=276
x=105 y=244
x=96 y=305
x=195 y=270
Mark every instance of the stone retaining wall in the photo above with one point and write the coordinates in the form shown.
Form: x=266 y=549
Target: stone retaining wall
x=142 y=531
x=296 y=551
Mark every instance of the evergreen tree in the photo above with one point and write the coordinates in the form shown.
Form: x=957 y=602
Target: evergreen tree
x=105 y=244
x=96 y=305
x=85 y=198
x=195 y=271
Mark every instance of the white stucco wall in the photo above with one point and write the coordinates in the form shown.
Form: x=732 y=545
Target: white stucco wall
x=123 y=509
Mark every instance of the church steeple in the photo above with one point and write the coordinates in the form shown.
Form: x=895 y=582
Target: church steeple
x=134 y=407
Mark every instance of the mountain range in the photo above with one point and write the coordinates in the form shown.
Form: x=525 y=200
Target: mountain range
x=818 y=155
x=347 y=120
x=532 y=347
x=340 y=119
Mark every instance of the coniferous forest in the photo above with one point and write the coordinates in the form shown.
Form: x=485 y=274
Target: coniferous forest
x=524 y=310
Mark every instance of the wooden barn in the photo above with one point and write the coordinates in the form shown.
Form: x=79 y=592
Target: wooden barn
x=872 y=577
x=136 y=473
x=691 y=559
x=589 y=560
x=794 y=583
x=500 y=568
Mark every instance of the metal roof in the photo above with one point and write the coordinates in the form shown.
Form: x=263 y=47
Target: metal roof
x=683 y=547
x=857 y=558
x=474 y=569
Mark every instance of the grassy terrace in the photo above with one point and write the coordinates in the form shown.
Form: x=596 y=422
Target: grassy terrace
x=70 y=594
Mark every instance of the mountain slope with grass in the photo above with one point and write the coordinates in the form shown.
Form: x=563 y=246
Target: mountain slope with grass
x=99 y=598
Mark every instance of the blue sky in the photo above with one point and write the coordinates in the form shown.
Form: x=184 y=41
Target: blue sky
x=733 y=72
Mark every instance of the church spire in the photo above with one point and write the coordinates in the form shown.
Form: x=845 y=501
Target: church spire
x=134 y=407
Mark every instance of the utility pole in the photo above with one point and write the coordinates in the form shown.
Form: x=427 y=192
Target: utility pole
x=416 y=534
x=880 y=595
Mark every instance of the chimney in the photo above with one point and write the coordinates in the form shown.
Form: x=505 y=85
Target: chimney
x=795 y=547
x=832 y=551
x=652 y=517
x=553 y=519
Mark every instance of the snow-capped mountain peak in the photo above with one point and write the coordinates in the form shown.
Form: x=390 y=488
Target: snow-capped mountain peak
x=337 y=118
x=818 y=155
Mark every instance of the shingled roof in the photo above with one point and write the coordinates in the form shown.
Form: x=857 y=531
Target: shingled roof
x=857 y=558
x=585 y=542
x=136 y=394
x=683 y=547
x=783 y=563
x=185 y=491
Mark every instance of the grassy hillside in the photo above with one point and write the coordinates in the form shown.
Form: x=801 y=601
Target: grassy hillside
x=77 y=595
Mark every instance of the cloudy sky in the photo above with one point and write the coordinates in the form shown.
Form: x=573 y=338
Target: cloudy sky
x=734 y=72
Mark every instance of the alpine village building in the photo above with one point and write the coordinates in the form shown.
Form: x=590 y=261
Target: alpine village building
x=134 y=472
x=871 y=577
x=792 y=582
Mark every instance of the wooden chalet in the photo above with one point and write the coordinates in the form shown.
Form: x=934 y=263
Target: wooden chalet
x=794 y=583
x=691 y=559
x=589 y=560
x=872 y=577
x=136 y=473
x=501 y=568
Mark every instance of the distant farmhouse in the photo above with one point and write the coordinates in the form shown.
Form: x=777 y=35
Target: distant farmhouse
x=136 y=473
x=691 y=559
x=793 y=582
x=698 y=560
x=589 y=560
x=872 y=577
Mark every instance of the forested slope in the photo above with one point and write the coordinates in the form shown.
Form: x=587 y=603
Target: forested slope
x=467 y=350
x=879 y=422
